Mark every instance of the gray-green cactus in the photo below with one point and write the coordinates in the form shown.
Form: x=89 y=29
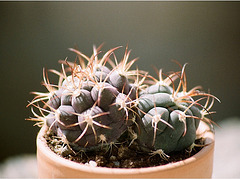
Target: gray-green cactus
x=168 y=118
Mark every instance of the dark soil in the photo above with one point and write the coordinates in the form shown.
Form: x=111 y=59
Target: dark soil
x=117 y=155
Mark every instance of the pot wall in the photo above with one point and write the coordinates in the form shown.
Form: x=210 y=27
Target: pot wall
x=50 y=165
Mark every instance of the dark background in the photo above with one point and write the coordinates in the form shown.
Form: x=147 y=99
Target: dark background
x=34 y=35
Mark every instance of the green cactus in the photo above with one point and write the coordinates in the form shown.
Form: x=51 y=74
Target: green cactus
x=168 y=118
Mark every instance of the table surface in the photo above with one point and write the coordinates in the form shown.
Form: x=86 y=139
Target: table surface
x=226 y=158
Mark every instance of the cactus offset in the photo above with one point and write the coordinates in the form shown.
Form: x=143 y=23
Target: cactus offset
x=168 y=116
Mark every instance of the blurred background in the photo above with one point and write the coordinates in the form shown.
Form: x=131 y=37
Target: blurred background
x=33 y=35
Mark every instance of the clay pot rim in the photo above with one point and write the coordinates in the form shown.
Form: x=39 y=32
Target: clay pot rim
x=204 y=132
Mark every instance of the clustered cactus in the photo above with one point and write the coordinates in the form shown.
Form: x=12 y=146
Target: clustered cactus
x=98 y=100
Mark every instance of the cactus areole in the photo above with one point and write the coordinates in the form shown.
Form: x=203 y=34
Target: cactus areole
x=99 y=103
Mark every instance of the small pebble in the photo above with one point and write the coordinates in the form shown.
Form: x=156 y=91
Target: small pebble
x=113 y=158
x=116 y=163
x=91 y=163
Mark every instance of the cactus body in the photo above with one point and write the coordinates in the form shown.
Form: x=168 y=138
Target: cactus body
x=90 y=106
x=87 y=111
x=166 y=123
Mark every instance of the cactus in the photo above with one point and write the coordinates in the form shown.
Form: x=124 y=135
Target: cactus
x=92 y=105
x=168 y=116
x=99 y=101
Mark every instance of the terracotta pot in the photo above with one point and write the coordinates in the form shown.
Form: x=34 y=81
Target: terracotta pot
x=50 y=165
